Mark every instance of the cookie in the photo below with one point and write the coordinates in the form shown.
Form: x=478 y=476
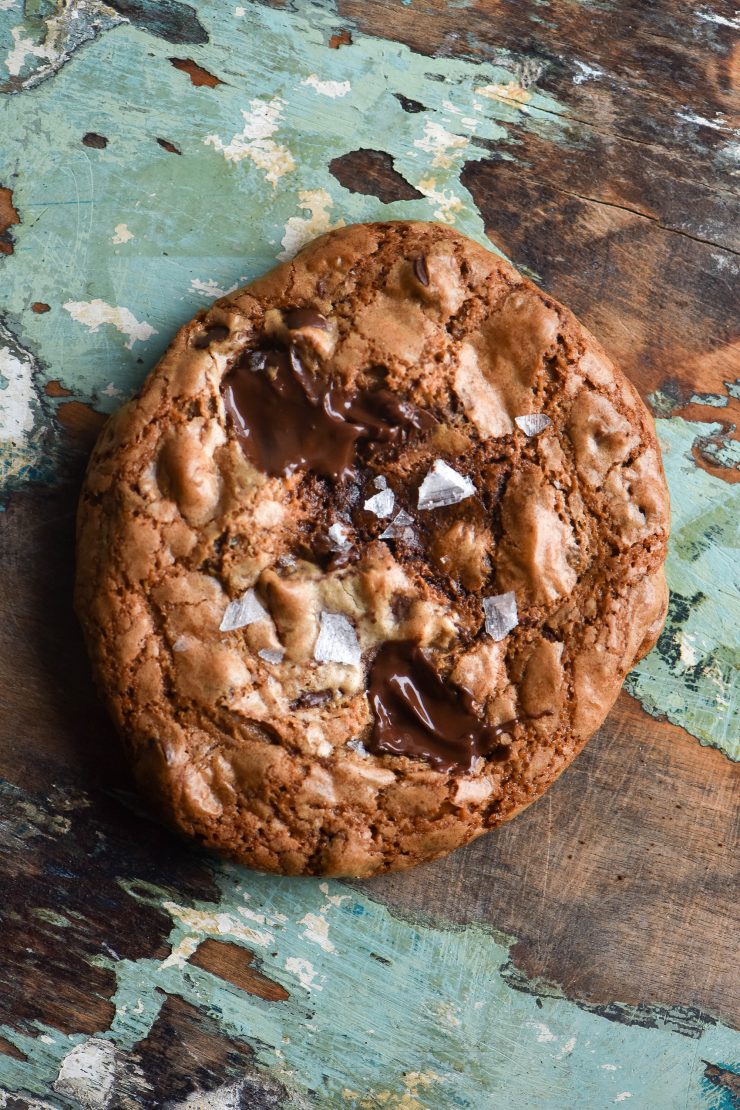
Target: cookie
x=365 y=563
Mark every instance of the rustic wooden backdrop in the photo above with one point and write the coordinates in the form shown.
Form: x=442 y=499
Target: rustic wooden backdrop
x=151 y=156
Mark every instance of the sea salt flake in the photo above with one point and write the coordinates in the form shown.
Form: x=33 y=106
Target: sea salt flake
x=501 y=614
x=245 y=610
x=399 y=528
x=533 y=423
x=444 y=486
x=271 y=655
x=381 y=503
x=337 y=641
x=359 y=747
x=380 y=482
x=338 y=536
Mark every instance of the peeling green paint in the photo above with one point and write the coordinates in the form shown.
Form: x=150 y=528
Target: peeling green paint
x=385 y=1013
x=693 y=675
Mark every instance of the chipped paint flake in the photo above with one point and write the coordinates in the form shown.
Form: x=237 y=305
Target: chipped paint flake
x=304 y=971
x=331 y=89
x=122 y=234
x=209 y=288
x=23 y=48
x=441 y=143
x=16 y=393
x=509 y=93
x=449 y=206
x=87 y=1073
x=317 y=930
x=93 y=314
x=255 y=143
x=300 y=230
x=586 y=72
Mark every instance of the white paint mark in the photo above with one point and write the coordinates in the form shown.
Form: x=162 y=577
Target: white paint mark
x=228 y=1097
x=16 y=394
x=122 y=234
x=255 y=141
x=608 y=1067
x=448 y=205
x=317 y=930
x=87 y=1073
x=440 y=142
x=299 y=230
x=689 y=658
x=239 y=12
x=305 y=972
x=712 y=17
x=511 y=93
x=94 y=313
x=588 y=73
x=334 y=899
x=200 y=923
x=210 y=288
x=6 y=5
x=624 y=1095
x=332 y=89
x=719 y=123
x=567 y=1048
x=544 y=1033
x=22 y=47
x=112 y=391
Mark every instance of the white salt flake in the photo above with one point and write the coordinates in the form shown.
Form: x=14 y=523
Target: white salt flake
x=501 y=614
x=337 y=641
x=380 y=482
x=381 y=504
x=443 y=486
x=245 y=610
x=533 y=423
x=399 y=528
x=271 y=655
x=338 y=536
x=358 y=746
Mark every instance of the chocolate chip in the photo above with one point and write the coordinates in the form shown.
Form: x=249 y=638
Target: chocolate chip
x=296 y=318
x=216 y=333
x=421 y=270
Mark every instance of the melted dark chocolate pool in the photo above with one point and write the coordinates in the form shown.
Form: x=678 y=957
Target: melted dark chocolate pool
x=420 y=716
x=285 y=417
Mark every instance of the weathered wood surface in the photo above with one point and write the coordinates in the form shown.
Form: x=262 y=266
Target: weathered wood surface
x=586 y=954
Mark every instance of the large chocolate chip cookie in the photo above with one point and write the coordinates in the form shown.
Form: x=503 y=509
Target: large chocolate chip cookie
x=365 y=563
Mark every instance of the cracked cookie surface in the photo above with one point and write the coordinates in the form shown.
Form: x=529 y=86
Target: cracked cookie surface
x=365 y=563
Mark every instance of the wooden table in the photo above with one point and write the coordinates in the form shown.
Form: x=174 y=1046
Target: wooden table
x=154 y=154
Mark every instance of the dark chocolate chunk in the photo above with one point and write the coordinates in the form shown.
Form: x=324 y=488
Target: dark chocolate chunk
x=296 y=318
x=421 y=270
x=285 y=417
x=420 y=716
x=216 y=333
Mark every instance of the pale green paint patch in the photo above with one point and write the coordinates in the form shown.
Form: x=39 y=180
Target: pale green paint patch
x=693 y=675
x=382 y=1011
x=253 y=179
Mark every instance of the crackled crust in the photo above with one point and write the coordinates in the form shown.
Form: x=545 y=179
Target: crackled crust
x=174 y=522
